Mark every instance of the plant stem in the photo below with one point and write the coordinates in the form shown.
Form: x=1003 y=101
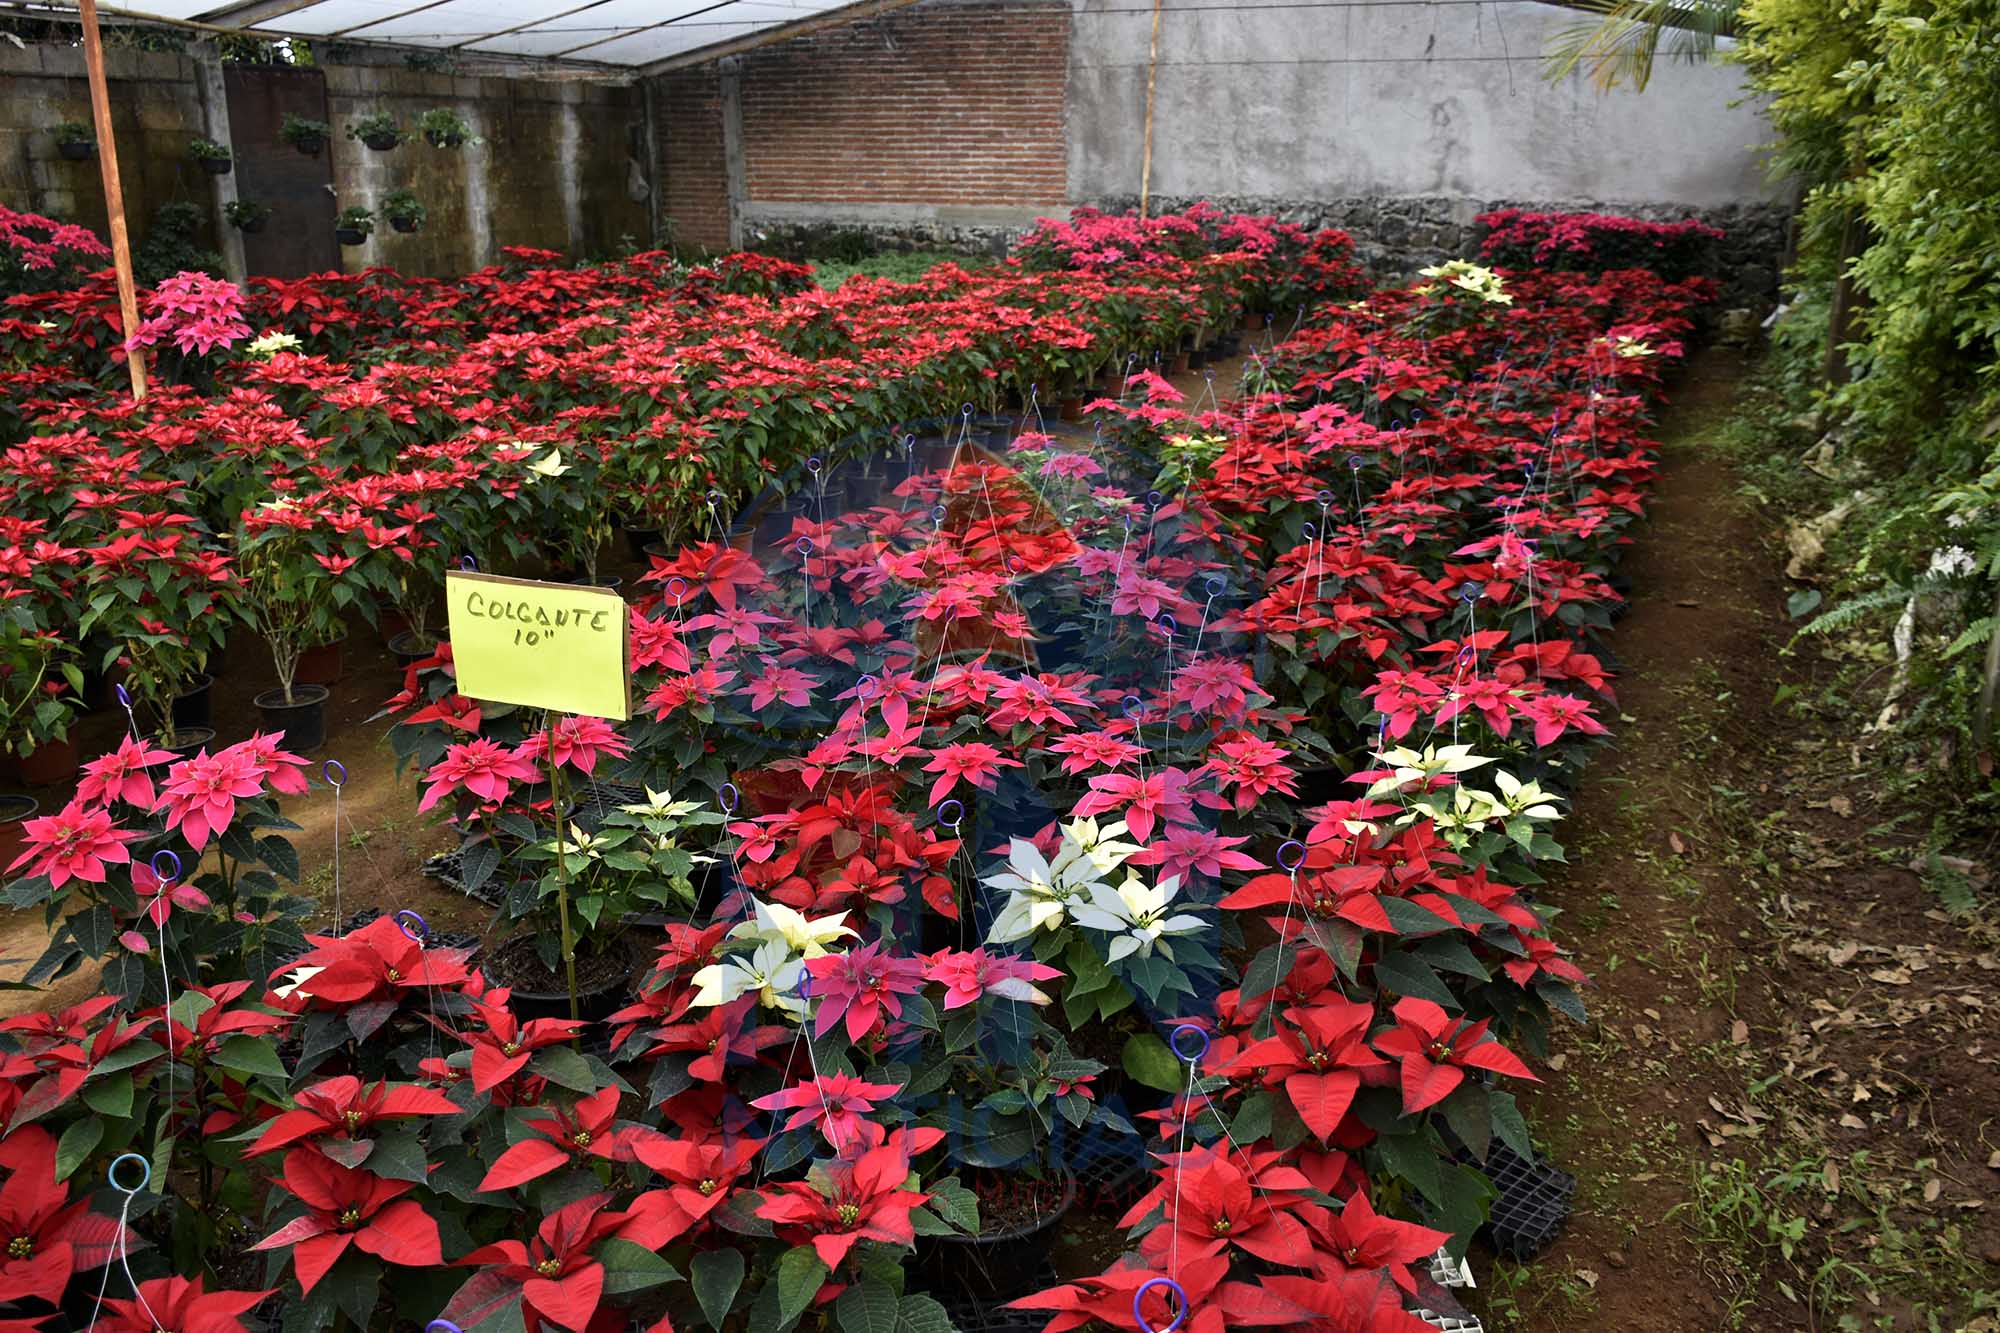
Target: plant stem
x=562 y=866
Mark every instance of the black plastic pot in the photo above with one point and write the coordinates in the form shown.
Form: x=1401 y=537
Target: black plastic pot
x=251 y=226
x=1003 y=1264
x=302 y=722
x=188 y=741
x=440 y=139
x=405 y=225
x=14 y=812
x=310 y=144
x=195 y=706
x=410 y=647
x=382 y=143
x=350 y=235
x=78 y=150
x=593 y=1002
x=217 y=166
x=638 y=539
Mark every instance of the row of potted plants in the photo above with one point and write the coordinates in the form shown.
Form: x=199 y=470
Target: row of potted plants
x=992 y=797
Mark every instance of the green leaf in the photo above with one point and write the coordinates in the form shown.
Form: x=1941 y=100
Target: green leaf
x=629 y=1267
x=250 y=1055
x=1410 y=919
x=922 y=1314
x=716 y=1276
x=1148 y=1060
x=956 y=1204
x=1407 y=976
x=799 y=1277
x=1469 y=1116
x=1509 y=1126
x=867 y=1307
x=1414 y=1158
x=111 y=1096
x=76 y=1145
x=565 y=1068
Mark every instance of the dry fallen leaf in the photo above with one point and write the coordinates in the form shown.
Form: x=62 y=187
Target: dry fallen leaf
x=1851 y=1121
x=1674 y=841
x=1933 y=1188
x=1841 y=806
x=1831 y=1175
x=1588 y=1278
x=1994 y=1161
x=1739 y=1032
x=1842 y=955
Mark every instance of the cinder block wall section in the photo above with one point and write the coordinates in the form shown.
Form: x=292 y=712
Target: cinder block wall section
x=551 y=168
x=155 y=113
x=554 y=170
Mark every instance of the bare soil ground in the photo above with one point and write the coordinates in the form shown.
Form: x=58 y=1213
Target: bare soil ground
x=1783 y=1108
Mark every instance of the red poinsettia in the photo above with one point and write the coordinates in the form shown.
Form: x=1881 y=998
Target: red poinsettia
x=345 y=1107
x=177 y=1305
x=348 y=1206
x=48 y=1238
x=1436 y=1050
x=554 y=1278
x=846 y=1202
x=589 y=1129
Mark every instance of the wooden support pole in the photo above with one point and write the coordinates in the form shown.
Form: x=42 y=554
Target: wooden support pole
x=1146 y=156
x=114 y=194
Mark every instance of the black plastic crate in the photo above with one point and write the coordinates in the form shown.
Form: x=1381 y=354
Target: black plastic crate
x=972 y=1312
x=1533 y=1203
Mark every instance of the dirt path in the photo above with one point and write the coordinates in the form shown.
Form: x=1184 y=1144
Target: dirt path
x=1780 y=1108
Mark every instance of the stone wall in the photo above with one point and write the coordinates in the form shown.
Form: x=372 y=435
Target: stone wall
x=555 y=168
x=155 y=112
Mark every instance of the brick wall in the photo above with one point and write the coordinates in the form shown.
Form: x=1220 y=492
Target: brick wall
x=687 y=107
x=943 y=104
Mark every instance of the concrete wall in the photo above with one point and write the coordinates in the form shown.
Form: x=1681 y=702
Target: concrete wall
x=1383 y=99
x=155 y=111
x=552 y=171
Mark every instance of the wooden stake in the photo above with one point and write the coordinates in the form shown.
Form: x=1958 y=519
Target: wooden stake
x=1152 y=69
x=114 y=194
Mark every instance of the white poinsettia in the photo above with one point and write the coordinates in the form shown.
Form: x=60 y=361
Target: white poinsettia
x=270 y=344
x=797 y=933
x=661 y=805
x=771 y=972
x=1037 y=898
x=1523 y=798
x=1089 y=852
x=1406 y=765
x=550 y=466
x=1137 y=916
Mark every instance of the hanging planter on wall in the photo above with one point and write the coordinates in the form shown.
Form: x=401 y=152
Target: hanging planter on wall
x=353 y=226
x=406 y=213
x=216 y=159
x=379 y=131
x=247 y=215
x=443 y=129
x=308 y=136
x=75 y=141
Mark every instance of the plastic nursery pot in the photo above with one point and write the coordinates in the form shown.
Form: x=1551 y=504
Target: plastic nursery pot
x=310 y=144
x=440 y=139
x=1198 y=359
x=217 y=166
x=611 y=581
x=382 y=143
x=78 y=150
x=410 y=646
x=349 y=235
x=15 y=811
x=637 y=540
x=251 y=226
x=601 y=980
x=405 y=225
x=50 y=764
x=320 y=664
x=187 y=741
x=1022 y=1215
x=1179 y=365
x=302 y=721
x=1072 y=408
x=195 y=706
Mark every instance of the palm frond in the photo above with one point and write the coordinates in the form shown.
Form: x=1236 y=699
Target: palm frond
x=1620 y=46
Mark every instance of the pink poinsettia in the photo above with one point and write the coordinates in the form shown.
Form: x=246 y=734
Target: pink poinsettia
x=202 y=792
x=121 y=775
x=861 y=985
x=77 y=842
x=577 y=742
x=483 y=768
x=836 y=1103
x=967 y=975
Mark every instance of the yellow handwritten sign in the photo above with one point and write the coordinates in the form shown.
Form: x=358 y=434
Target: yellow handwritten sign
x=543 y=645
